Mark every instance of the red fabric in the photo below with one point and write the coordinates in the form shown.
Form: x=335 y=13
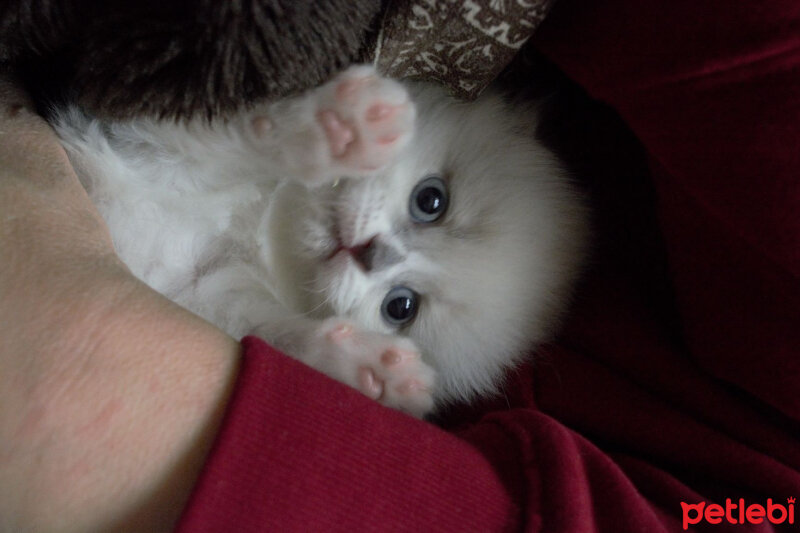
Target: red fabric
x=631 y=412
x=712 y=89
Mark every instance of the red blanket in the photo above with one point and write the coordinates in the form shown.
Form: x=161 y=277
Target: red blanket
x=634 y=421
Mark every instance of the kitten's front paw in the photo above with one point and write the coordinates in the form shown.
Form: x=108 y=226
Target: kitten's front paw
x=367 y=120
x=351 y=126
x=386 y=368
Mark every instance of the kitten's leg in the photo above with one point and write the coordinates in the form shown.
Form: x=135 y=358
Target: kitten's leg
x=351 y=126
x=386 y=368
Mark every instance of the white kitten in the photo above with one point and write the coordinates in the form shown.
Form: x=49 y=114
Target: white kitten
x=452 y=233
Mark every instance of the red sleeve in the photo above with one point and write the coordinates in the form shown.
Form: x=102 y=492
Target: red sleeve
x=631 y=413
x=300 y=452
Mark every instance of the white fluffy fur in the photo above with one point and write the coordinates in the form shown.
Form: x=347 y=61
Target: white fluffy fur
x=237 y=224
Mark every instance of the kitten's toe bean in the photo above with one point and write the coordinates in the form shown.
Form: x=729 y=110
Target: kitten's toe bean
x=413 y=395
x=369 y=384
x=340 y=332
x=339 y=134
x=410 y=387
x=380 y=112
x=394 y=356
x=390 y=358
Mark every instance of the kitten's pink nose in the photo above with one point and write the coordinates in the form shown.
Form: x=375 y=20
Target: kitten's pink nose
x=363 y=253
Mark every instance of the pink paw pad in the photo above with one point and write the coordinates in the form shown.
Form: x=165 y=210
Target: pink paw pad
x=388 y=139
x=394 y=357
x=410 y=387
x=340 y=135
x=340 y=333
x=369 y=384
x=380 y=112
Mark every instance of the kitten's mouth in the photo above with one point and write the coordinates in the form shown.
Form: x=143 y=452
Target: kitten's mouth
x=335 y=252
x=360 y=253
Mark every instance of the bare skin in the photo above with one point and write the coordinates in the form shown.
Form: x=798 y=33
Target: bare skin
x=110 y=395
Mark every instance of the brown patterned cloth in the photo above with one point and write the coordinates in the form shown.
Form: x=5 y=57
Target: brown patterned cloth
x=159 y=58
x=179 y=58
x=463 y=44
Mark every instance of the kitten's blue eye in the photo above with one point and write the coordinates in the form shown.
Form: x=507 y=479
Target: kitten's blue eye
x=429 y=199
x=400 y=306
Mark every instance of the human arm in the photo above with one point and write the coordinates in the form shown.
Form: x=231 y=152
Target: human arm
x=109 y=394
